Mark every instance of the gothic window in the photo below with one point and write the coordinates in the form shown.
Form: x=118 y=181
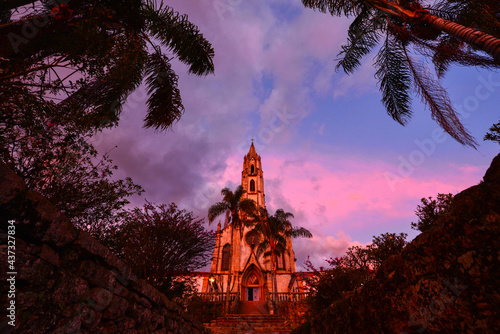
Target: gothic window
x=252 y=185
x=252 y=170
x=280 y=258
x=252 y=238
x=253 y=280
x=226 y=256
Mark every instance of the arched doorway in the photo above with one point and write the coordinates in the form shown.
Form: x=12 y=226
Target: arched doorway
x=252 y=287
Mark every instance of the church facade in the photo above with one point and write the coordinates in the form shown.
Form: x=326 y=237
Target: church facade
x=235 y=265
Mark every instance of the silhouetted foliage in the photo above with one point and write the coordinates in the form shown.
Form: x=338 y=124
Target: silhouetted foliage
x=162 y=244
x=446 y=32
x=55 y=157
x=430 y=211
x=351 y=271
x=233 y=206
x=276 y=230
x=329 y=285
x=203 y=309
x=384 y=246
x=494 y=133
x=91 y=55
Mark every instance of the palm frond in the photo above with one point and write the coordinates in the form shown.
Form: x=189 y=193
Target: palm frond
x=229 y=219
x=335 y=7
x=281 y=215
x=238 y=193
x=216 y=210
x=164 y=102
x=450 y=51
x=300 y=232
x=280 y=240
x=182 y=37
x=362 y=37
x=467 y=12
x=436 y=98
x=261 y=248
x=394 y=79
x=107 y=93
x=248 y=206
x=226 y=193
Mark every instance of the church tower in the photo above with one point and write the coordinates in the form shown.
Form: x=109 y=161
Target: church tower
x=235 y=265
x=252 y=177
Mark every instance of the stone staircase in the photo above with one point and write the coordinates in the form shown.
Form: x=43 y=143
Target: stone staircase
x=250 y=324
x=252 y=318
x=253 y=308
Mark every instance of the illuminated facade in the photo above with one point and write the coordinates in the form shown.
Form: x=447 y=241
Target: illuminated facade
x=242 y=272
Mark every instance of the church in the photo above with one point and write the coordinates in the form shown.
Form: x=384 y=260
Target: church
x=237 y=271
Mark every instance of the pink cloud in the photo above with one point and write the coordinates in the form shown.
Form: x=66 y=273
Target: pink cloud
x=321 y=247
x=329 y=194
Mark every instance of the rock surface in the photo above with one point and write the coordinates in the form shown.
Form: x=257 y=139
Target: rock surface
x=66 y=282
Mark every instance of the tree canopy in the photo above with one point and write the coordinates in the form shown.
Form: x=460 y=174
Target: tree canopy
x=493 y=133
x=162 y=244
x=233 y=206
x=349 y=272
x=431 y=210
x=464 y=32
x=57 y=159
x=121 y=43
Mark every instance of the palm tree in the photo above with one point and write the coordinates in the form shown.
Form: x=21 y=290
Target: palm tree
x=236 y=210
x=233 y=206
x=406 y=22
x=105 y=49
x=276 y=230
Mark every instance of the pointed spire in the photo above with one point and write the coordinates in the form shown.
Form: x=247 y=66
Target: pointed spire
x=252 y=153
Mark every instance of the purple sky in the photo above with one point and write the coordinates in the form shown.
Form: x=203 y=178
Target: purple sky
x=330 y=153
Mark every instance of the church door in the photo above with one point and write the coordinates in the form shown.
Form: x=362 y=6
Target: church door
x=253 y=294
x=251 y=286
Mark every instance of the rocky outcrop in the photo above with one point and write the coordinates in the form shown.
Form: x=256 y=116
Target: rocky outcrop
x=63 y=281
x=445 y=281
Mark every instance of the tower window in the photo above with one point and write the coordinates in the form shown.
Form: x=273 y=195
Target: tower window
x=280 y=258
x=226 y=256
x=252 y=169
x=252 y=185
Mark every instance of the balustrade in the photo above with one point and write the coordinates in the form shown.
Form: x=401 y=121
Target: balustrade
x=217 y=296
x=288 y=296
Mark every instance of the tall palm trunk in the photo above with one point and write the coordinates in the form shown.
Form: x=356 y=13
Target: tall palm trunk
x=273 y=267
x=480 y=40
x=230 y=275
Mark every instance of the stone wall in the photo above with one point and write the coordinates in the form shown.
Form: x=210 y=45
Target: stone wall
x=445 y=281
x=65 y=281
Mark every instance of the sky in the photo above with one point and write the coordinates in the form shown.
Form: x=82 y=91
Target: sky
x=330 y=153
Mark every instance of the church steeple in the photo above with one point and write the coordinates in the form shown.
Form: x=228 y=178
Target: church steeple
x=252 y=153
x=252 y=177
